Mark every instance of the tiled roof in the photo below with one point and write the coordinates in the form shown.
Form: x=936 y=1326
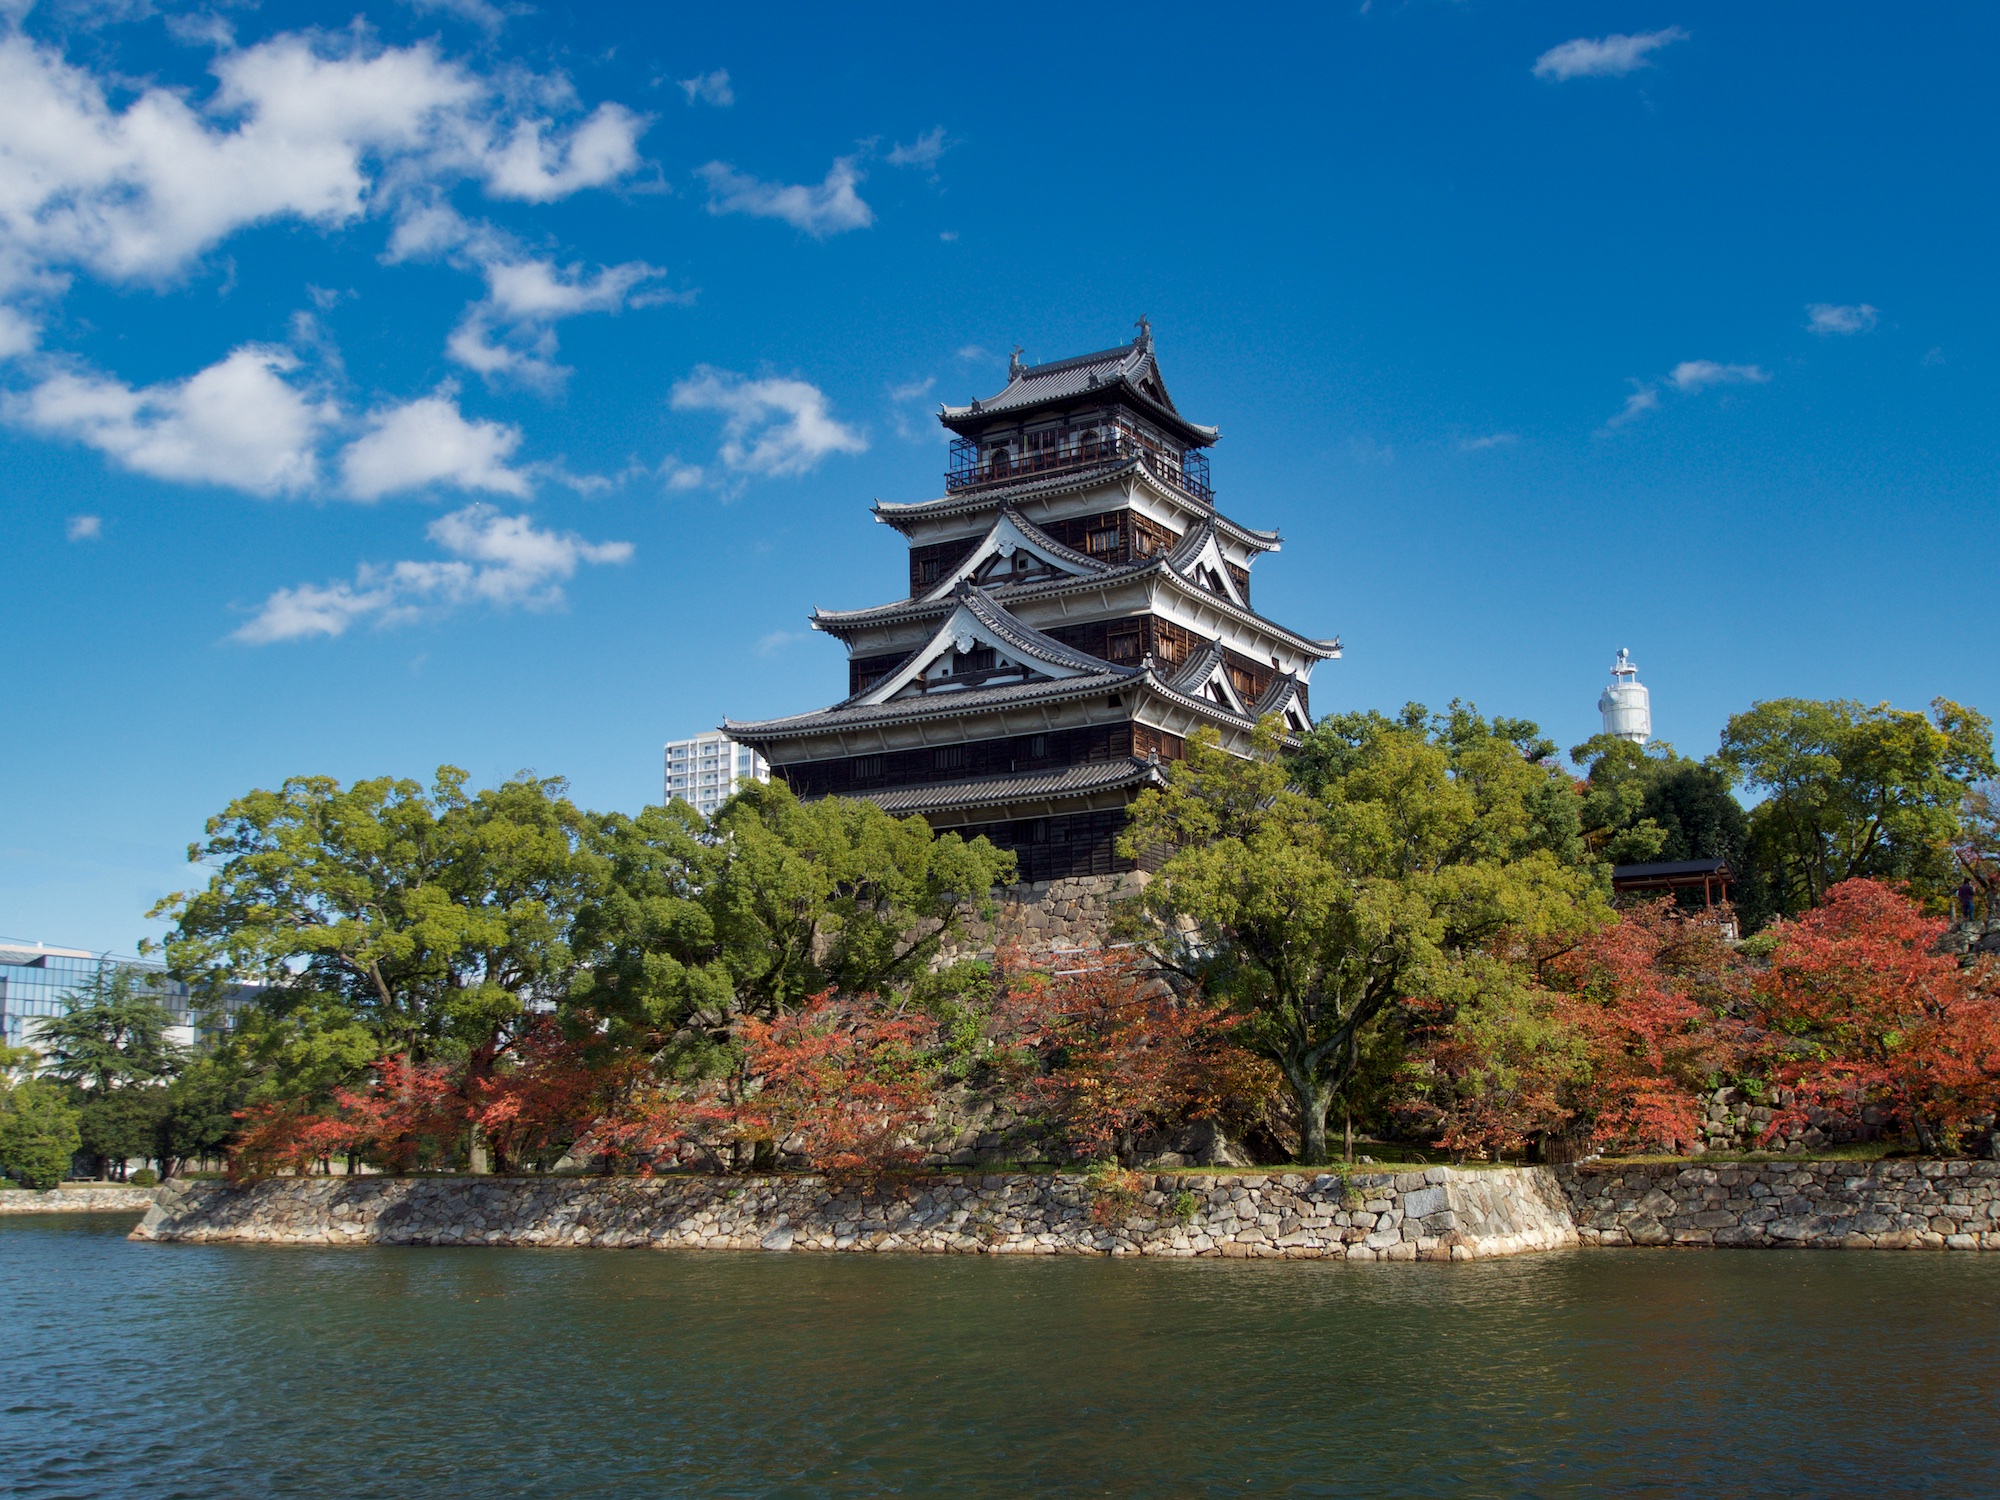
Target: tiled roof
x=1124 y=370
x=1283 y=685
x=1024 y=786
x=850 y=714
x=835 y=621
x=991 y=497
x=1024 y=637
x=1197 y=669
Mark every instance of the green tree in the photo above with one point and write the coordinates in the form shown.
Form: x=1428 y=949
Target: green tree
x=38 y=1134
x=118 y=1124
x=1390 y=859
x=1852 y=791
x=1641 y=805
x=777 y=901
x=435 y=921
x=199 y=1115
x=113 y=1033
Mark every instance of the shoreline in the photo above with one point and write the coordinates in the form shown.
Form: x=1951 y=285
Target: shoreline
x=1438 y=1213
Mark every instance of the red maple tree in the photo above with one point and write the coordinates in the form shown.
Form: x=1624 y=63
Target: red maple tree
x=1861 y=1008
x=1104 y=1052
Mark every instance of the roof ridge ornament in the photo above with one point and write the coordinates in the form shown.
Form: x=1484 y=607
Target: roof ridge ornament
x=1014 y=365
x=1145 y=326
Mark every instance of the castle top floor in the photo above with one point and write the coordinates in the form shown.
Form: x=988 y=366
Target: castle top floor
x=1070 y=414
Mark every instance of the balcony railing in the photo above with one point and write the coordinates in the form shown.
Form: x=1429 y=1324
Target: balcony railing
x=974 y=464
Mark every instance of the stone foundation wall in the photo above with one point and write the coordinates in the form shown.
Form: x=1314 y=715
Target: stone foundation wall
x=1437 y=1214
x=1048 y=914
x=1886 y=1205
x=81 y=1198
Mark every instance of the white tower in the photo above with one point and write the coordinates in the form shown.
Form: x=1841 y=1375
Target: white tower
x=1626 y=705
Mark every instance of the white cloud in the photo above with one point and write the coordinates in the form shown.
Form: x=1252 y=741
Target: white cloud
x=1689 y=378
x=1692 y=375
x=923 y=152
x=772 y=642
x=425 y=442
x=494 y=559
x=1830 y=318
x=320 y=129
x=913 y=390
x=1644 y=398
x=509 y=332
x=238 y=423
x=1604 y=57
x=709 y=88
x=775 y=426
x=488 y=18
x=974 y=354
x=84 y=528
x=827 y=208
x=1490 y=440
x=18 y=334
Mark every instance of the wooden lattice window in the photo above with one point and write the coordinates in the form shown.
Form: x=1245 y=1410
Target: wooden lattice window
x=1102 y=543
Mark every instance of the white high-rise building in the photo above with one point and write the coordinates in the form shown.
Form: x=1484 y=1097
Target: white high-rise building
x=708 y=769
x=1626 y=705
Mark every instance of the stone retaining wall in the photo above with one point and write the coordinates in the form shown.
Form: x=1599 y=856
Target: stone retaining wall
x=82 y=1198
x=1885 y=1205
x=1437 y=1214
x=1047 y=914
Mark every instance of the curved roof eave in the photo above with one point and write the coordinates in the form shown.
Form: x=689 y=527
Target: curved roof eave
x=833 y=622
x=893 y=513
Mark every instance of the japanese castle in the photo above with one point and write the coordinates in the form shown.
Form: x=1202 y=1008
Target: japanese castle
x=1077 y=608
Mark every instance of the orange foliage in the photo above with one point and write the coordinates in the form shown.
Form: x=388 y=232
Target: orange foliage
x=1106 y=1052
x=1860 y=1006
x=1656 y=999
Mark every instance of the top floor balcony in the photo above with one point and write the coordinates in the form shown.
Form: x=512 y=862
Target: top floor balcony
x=1014 y=457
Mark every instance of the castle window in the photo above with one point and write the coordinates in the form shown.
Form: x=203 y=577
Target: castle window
x=1102 y=543
x=1038 y=746
x=947 y=757
x=1124 y=645
x=929 y=570
x=867 y=767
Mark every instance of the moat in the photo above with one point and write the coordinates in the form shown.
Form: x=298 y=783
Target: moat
x=251 y=1370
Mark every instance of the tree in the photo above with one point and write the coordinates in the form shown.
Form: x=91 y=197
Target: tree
x=1641 y=805
x=38 y=1134
x=1979 y=842
x=1410 y=849
x=437 y=921
x=198 y=1120
x=780 y=900
x=1856 y=793
x=1106 y=1053
x=119 y=1124
x=1861 y=1008
x=111 y=1034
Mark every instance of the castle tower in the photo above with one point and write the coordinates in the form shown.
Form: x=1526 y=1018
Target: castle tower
x=1077 y=607
x=1626 y=705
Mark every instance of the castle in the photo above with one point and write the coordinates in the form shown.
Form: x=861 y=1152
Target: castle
x=1077 y=607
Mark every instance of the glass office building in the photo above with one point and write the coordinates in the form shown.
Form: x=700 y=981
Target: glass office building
x=37 y=982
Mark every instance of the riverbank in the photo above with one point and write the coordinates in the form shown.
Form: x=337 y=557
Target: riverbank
x=79 y=1197
x=1435 y=1214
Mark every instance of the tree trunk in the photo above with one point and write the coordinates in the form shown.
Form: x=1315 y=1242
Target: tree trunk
x=1313 y=1104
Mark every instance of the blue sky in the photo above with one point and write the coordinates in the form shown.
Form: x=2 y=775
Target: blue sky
x=501 y=385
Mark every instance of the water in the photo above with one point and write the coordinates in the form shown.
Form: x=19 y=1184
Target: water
x=160 y=1370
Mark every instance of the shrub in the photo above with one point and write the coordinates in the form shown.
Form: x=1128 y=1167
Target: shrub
x=38 y=1135
x=1114 y=1193
x=144 y=1177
